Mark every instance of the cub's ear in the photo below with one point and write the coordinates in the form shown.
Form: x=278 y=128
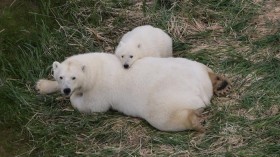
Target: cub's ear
x=55 y=65
x=83 y=68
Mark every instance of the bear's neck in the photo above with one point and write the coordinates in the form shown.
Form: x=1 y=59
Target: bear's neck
x=102 y=73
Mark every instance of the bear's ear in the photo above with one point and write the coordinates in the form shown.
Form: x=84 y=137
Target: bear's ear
x=55 y=65
x=83 y=68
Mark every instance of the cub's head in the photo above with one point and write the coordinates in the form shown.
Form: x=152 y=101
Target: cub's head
x=69 y=75
x=128 y=54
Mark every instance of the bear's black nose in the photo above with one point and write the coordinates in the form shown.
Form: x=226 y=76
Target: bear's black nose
x=66 y=91
x=126 y=66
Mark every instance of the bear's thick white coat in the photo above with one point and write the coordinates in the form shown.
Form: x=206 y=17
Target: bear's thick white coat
x=162 y=91
x=143 y=41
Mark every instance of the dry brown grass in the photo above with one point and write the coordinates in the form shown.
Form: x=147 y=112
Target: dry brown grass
x=267 y=22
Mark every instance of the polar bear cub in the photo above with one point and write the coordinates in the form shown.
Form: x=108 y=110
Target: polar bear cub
x=141 y=42
x=170 y=100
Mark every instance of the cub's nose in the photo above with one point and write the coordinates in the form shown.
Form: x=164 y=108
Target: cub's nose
x=126 y=66
x=66 y=91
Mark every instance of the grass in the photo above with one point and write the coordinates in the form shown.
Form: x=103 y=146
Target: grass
x=229 y=36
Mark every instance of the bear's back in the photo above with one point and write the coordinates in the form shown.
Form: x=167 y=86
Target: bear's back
x=93 y=57
x=178 y=74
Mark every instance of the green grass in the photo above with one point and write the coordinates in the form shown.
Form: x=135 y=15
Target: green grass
x=219 y=33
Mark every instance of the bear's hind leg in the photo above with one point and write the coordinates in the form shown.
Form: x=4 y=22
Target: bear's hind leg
x=221 y=85
x=187 y=119
x=46 y=86
x=196 y=119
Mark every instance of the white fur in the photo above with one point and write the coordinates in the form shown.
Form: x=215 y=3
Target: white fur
x=154 y=89
x=143 y=41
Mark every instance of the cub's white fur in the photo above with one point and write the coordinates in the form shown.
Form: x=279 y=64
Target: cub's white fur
x=164 y=91
x=143 y=41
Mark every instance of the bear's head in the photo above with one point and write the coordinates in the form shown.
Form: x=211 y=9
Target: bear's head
x=70 y=76
x=128 y=54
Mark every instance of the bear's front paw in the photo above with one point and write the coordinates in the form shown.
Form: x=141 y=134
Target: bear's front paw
x=46 y=86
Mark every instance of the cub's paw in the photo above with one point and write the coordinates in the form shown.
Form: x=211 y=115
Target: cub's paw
x=46 y=86
x=222 y=86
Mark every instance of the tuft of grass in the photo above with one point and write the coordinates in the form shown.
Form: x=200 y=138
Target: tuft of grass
x=229 y=36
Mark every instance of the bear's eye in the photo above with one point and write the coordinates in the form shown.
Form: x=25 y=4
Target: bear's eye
x=73 y=78
x=122 y=56
x=61 y=77
x=131 y=56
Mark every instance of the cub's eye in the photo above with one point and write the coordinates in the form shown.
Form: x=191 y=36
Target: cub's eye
x=61 y=77
x=122 y=56
x=131 y=56
x=73 y=78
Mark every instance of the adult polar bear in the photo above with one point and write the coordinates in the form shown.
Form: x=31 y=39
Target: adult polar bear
x=167 y=92
x=143 y=41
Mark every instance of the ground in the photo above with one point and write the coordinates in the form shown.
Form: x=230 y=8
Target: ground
x=238 y=39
